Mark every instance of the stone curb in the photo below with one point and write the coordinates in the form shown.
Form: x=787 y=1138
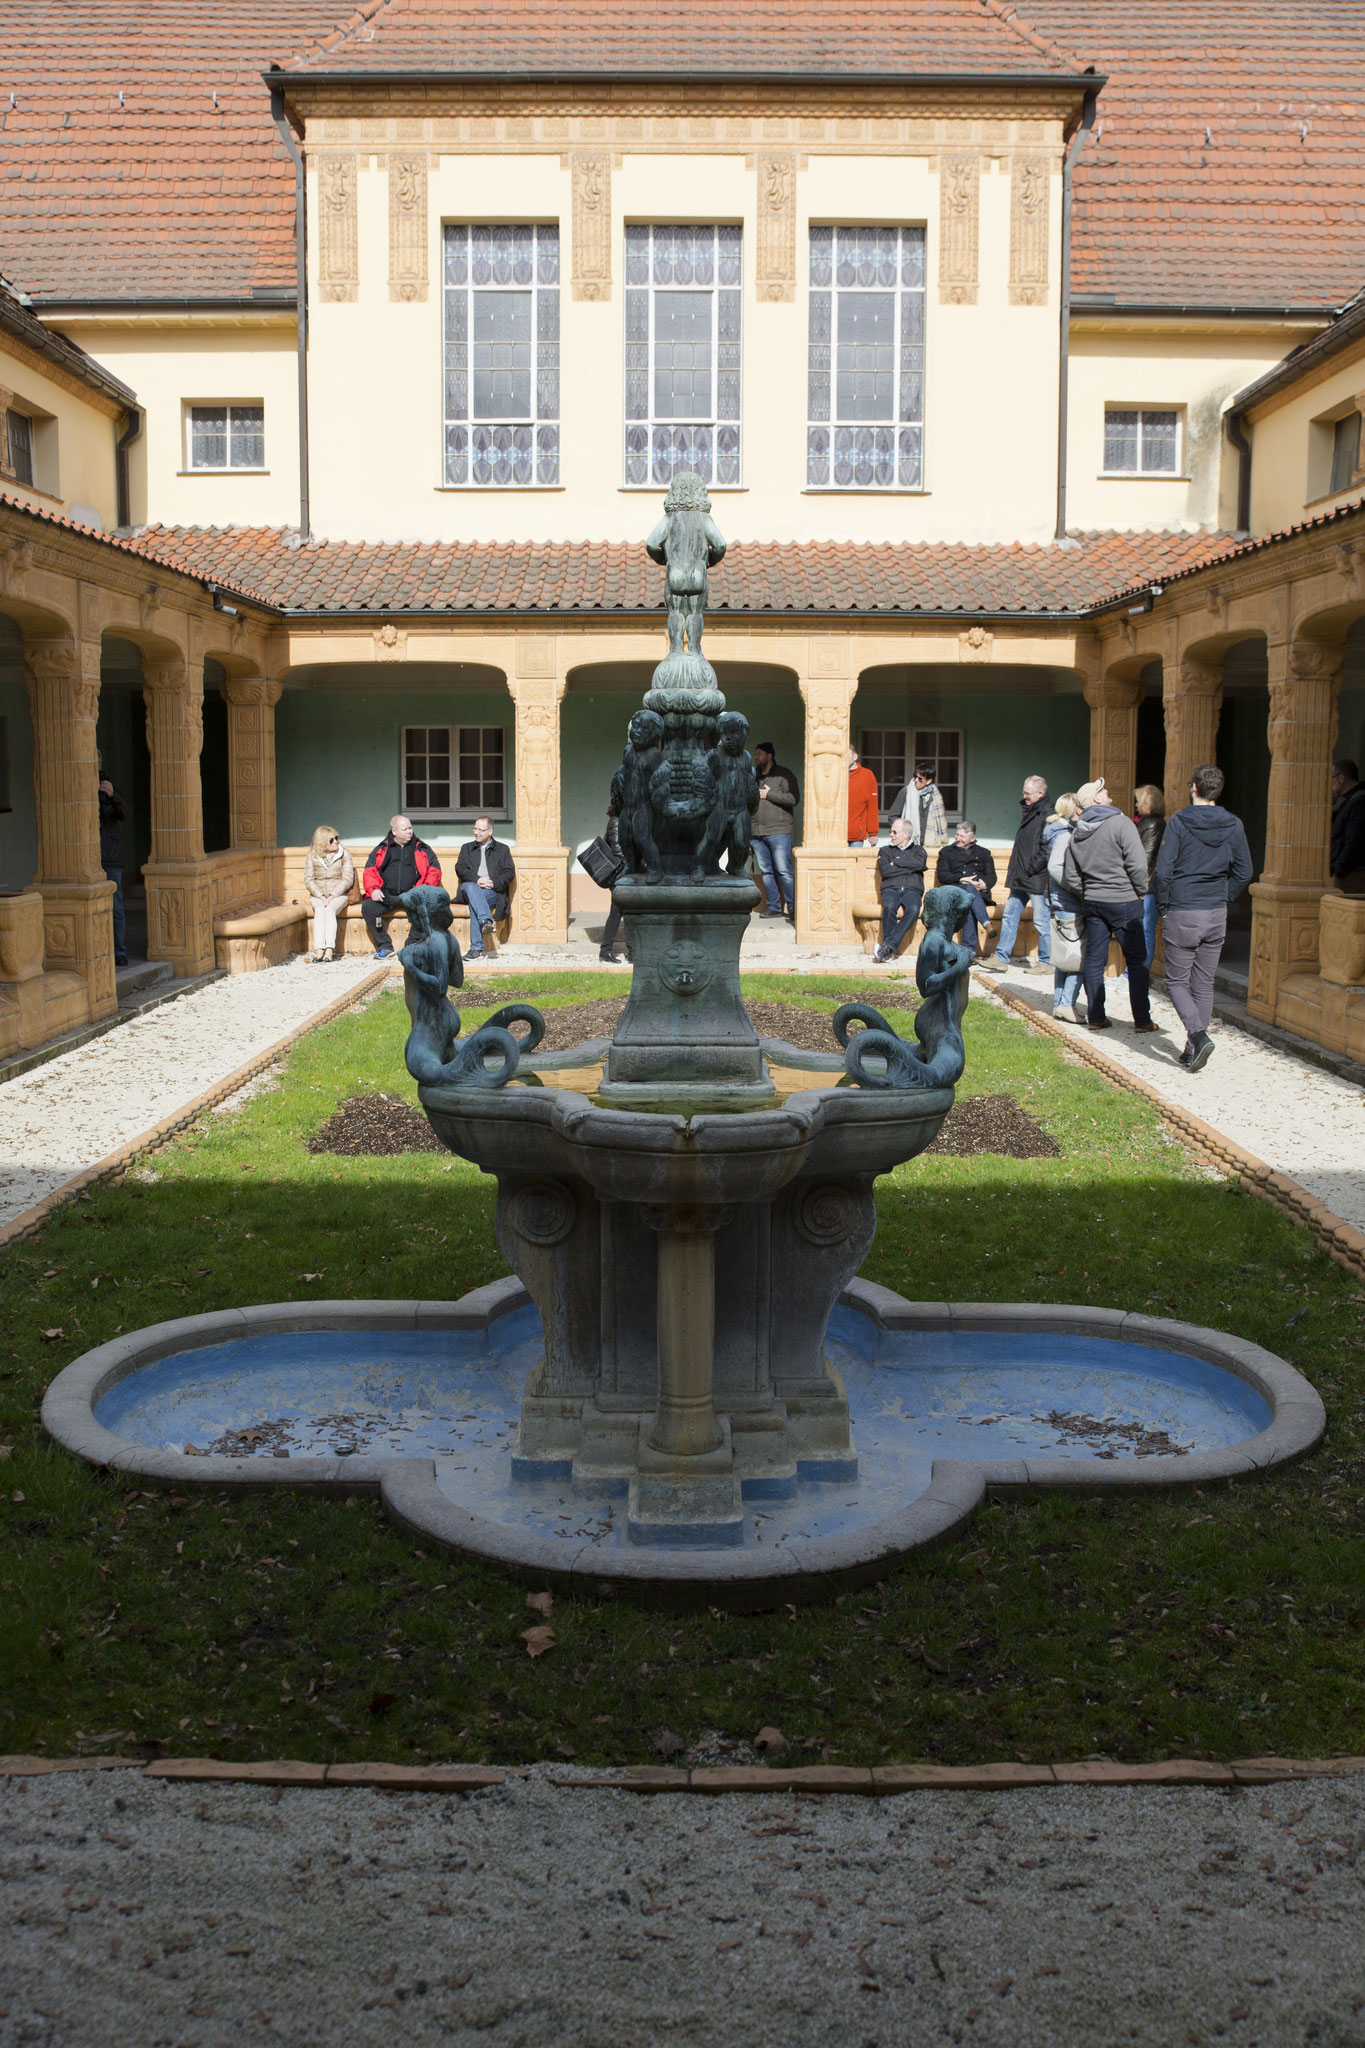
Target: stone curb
x=31 y=1219
x=1339 y=1239
x=878 y=1781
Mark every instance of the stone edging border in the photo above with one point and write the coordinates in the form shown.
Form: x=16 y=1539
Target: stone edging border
x=876 y=1781
x=30 y=1219
x=1339 y=1239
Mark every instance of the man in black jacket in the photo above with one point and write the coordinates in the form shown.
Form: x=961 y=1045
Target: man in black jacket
x=1203 y=865
x=399 y=862
x=900 y=872
x=1348 y=828
x=113 y=813
x=485 y=873
x=965 y=865
x=1026 y=880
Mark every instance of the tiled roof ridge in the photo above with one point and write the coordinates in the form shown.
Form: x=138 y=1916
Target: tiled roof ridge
x=1004 y=10
x=363 y=17
x=1238 y=546
x=130 y=544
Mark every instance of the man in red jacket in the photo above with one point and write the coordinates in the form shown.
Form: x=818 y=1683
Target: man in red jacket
x=864 y=819
x=399 y=862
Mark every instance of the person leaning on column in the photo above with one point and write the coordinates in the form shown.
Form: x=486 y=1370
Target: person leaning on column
x=864 y=817
x=1203 y=866
x=1348 y=828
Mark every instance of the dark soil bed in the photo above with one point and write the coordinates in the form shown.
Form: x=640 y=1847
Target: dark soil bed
x=994 y=1123
x=373 y=1125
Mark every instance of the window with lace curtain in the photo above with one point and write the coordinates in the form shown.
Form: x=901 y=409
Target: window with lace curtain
x=502 y=355
x=683 y=292
x=865 y=369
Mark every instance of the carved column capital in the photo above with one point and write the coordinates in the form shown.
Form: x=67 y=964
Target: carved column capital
x=249 y=692
x=1113 y=693
x=167 y=675
x=1200 y=678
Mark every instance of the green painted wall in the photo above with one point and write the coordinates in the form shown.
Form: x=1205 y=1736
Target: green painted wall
x=338 y=757
x=1004 y=738
x=18 y=836
x=593 y=737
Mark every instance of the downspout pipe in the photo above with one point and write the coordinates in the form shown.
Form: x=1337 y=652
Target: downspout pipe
x=1241 y=441
x=286 y=133
x=124 y=438
x=1086 y=123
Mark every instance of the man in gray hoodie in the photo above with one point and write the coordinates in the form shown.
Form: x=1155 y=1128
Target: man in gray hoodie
x=1204 y=864
x=1106 y=867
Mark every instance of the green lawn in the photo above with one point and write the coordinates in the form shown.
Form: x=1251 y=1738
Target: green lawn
x=1218 y=1623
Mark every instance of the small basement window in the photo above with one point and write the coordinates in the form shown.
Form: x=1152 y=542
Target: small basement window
x=227 y=437
x=1141 y=442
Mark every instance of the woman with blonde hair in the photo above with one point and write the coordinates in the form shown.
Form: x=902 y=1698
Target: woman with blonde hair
x=1149 y=815
x=1065 y=909
x=328 y=873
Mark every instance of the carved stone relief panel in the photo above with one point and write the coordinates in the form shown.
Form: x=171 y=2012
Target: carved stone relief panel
x=408 y=225
x=775 y=272
x=591 y=172
x=1030 y=189
x=338 y=252
x=958 y=237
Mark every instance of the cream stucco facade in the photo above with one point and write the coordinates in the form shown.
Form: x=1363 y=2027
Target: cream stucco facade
x=75 y=430
x=1292 y=434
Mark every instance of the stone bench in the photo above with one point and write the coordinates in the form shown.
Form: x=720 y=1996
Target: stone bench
x=353 y=938
x=245 y=941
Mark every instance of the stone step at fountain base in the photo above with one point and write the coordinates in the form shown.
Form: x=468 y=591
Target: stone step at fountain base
x=767 y=1453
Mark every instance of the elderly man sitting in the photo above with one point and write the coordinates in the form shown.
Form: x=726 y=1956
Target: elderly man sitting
x=485 y=873
x=399 y=862
x=968 y=866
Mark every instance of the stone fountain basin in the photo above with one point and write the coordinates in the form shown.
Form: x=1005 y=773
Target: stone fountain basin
x=654 y=1157
x=950 y=1402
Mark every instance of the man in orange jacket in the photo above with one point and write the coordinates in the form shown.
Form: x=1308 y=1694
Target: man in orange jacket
x=864 y=820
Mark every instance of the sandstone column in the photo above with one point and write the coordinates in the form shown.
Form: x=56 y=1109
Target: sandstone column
x=177 y=874
x=251 y=702
x=78 y=928
x=540 y=909
x=830 y=877
x=1113 y=705
x=1191 y=706
x=1304 y=678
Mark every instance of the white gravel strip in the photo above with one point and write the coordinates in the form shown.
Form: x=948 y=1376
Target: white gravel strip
x=1296 y=1117
x=533 y=1916
x=60 y=1118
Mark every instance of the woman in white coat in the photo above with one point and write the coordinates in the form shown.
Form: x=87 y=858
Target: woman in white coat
x=328 y=873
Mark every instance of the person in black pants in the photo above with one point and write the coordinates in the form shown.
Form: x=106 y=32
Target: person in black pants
x=965 y=865
x=399 y=862
x=900 y=873
x=607 y=950
x=113 y=814
x=1106 y=868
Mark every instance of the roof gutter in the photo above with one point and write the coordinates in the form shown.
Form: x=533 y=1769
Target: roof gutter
x=1091 y=303
x=275 y=77
x=286 y=133
x=961 y=614
x=123 y=441
x=1085 y=124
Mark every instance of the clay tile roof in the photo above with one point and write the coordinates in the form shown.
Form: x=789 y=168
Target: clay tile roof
x=164 y=194
x=705 y=37
x=1225 y=166
x=757 y=578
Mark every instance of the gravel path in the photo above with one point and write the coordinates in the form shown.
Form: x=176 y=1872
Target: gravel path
x=62 y=1117
x=532 y=1917
x=1296 y=1117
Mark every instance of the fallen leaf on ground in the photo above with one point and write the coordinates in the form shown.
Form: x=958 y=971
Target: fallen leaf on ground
x=769 y=1741
x=380 y=1702
x=312 y=1276
x=666 y=1743
x=538 y=1640
x=53 y=1334
x=541 y=1603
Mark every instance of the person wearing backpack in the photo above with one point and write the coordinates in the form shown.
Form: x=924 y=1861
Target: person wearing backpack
x=1203 y=866
x=1105 y=866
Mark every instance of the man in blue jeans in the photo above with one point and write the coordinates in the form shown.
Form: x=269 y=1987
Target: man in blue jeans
x=484 y=874
x=1026 y=880
x=778 y=796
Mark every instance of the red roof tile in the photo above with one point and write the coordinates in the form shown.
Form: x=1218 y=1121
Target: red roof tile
x=922 y=37
x=1225 y=166
x=119 y=176
x=756 y=579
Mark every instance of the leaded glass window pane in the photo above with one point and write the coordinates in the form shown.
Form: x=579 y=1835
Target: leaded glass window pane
x=455 y=771
x=1138 y=442
x=502 y=361
x=683 y=352
x=865 y=366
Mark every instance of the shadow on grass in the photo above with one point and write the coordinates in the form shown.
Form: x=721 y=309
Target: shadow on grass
x=1223 y=1622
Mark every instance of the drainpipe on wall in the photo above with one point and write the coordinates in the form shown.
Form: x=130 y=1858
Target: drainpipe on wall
x=1087 y=122
x=124 y=438
x=1241 y=441
x=281 y=120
